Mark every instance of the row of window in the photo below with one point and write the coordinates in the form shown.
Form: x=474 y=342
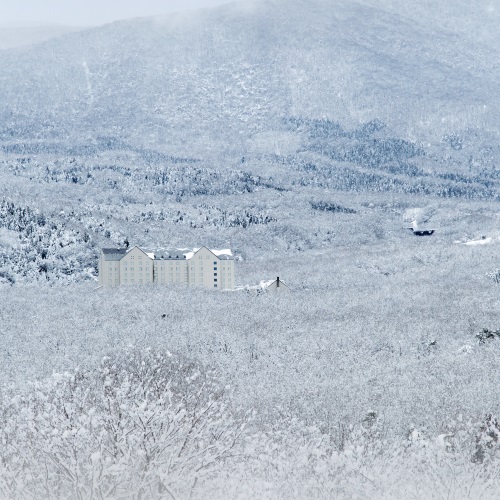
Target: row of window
x=141 y=281
x=192 y=275
x=201 y=275
x=162 y=268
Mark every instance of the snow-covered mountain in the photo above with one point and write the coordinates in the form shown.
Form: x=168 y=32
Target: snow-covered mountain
x=225 y=75
x=193 y=112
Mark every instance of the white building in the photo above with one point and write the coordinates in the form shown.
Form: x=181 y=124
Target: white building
x=198 y=267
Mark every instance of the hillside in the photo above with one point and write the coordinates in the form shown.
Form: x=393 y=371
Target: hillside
x=258 y=97
x=229 y=74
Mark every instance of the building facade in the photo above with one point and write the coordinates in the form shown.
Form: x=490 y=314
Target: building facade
x=198 y=267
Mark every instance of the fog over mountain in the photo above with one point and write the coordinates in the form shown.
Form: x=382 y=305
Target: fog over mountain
x=238 y=70
x=17 y=36
x=312 y=137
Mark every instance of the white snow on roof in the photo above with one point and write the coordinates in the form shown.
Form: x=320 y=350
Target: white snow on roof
x=218 y=253
x=226 y=251
x=265 y=284
x=224 y=254
x=189 y=255
x=484 y=241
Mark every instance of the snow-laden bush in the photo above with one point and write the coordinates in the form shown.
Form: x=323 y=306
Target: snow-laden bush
x=148 y=424
x=142 y=425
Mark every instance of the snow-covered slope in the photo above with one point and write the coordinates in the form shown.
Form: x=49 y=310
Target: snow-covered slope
x=202 y=127
x=229 y=73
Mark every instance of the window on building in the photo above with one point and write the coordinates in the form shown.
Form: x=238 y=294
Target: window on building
x=215 y=274
x=215 y=286
x=215 y=279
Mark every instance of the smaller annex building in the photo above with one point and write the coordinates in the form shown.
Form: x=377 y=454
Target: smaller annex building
x=277 y=286
x=198 y=267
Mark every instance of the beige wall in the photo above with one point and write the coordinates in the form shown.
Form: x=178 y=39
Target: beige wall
x=109 y=272
x=167 y=271
x=227 y=274
x=136 y=268
x=203 y=269
x=207 y=270
x=100 y=269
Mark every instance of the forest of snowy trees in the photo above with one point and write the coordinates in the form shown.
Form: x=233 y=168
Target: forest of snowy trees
x=307 y=139
x=152 y=425
x=125 y=395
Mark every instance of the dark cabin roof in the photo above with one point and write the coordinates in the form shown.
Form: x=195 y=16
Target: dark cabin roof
x=423 y=232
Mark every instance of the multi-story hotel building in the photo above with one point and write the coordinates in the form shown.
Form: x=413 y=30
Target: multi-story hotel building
x=198 y=267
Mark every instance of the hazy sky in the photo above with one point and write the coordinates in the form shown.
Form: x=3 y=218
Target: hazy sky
x=89 y=12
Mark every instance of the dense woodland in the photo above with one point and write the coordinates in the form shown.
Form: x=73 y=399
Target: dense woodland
x=308 y=146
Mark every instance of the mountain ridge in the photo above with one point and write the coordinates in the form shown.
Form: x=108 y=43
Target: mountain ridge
x=245 y=69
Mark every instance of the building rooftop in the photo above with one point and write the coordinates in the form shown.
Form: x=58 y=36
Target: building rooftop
x=113 y=253
x=170 y=254
x=166 y=253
